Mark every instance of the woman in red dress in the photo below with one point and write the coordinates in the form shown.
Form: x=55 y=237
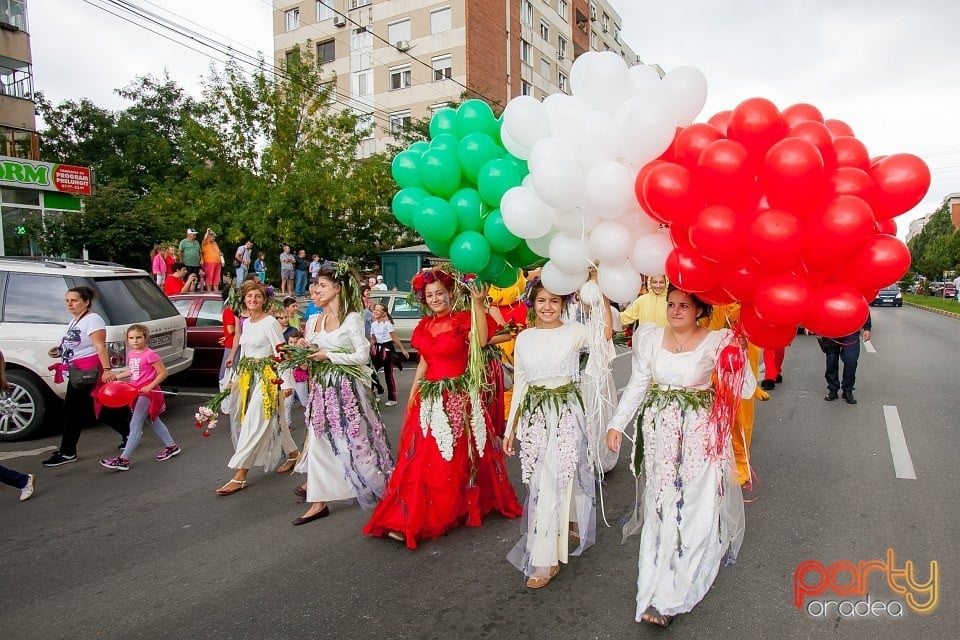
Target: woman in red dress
x=450 y=467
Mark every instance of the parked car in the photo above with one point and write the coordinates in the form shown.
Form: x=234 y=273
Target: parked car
x=34 y=318
x=888 y=296
x=405 y=315
x=202 y=312
x=949 y=290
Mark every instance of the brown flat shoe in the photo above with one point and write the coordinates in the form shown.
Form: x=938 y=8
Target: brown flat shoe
x=288 y=464
x=538 y=583
x=232 y=486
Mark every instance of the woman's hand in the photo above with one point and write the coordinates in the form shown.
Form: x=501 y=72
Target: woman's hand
x=108 y=376
x=302 y=343
x=287 y=393
x=319 y=355
x=508 y=445
x=404 y=352
x=54 y=352
x=478 y=292
x=613 y=440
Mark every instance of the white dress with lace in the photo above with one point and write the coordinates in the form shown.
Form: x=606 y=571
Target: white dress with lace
x=693 y=519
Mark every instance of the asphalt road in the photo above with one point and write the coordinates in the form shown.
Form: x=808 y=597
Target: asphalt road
x=154 y=553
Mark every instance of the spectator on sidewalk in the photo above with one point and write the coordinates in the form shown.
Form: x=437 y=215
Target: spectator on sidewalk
x=212 y=261
x=241 y=260
x=301 y=266
x=189 y=253
x=288 y=265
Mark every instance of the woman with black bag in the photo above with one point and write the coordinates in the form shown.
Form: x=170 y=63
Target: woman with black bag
x=83 y=357
x=385 y=344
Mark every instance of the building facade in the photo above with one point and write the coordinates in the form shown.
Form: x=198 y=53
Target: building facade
x=400 y=60
x=18 y=123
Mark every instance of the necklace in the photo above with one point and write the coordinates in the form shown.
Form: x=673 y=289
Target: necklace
x=680 y=345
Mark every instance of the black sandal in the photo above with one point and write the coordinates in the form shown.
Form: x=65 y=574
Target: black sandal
x=654 y=617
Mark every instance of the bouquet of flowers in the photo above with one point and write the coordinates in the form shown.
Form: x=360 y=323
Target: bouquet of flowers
x=207 y=414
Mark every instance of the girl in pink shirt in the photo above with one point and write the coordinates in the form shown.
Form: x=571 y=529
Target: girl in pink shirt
x=146 y=371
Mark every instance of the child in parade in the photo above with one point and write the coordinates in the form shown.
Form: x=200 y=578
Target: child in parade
x=385 y=345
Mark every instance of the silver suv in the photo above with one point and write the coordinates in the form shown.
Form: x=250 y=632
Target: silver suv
x=33 y=318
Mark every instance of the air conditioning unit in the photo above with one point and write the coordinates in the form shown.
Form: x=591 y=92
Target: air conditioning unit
x=339 y=21
x=402 y=45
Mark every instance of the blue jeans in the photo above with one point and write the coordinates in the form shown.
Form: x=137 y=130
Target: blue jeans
x=13 y=478
x=136 y=428
x=241 y=274
x=300 y=283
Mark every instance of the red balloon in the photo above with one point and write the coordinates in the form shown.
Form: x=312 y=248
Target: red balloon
x=740 y=279
x=720 y=120
x=691 y=141
x=851 y=153
x=847 y=181
x=782 y=299
x=638 y=187
x=837 y=232
x=902 y=180
x=764 y=334
x=817 y=134
x=669 y=191
x=793 y=175
x=117 y=394
x=801 y=112
x=680 y=235
x=724 y=173
x=774 y=239
x=882 y=261
x=718 y=233
x=836 y=310
x=716 y=296
x=690 y=272
x=838 y=127
x=888 y=227
x=670 y=155
x=757 y=125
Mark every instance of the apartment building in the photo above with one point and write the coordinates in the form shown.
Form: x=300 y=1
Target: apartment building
x=401 y=60
x=18 y=124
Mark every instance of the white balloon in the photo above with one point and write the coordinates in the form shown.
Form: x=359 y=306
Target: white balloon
x=610 y=242
x=686 y=93
x=590 y=293
x=644 y=80
x=559 y=180
x=560 y=282
x=525 y=121
x=601 y=78
x=550 y=147
x=639 y=221
x=568 y=253
x=527 y=181
x=650 y=253
x=609 y=189
x=648 y=131
x=574 y=222
x=596 y=138
x=541 y=245
x=524 y=215
x=619 y=282
x=565 y=113
x=514 y=147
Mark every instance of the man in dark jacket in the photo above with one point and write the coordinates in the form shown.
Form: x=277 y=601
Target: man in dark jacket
x=846 y=350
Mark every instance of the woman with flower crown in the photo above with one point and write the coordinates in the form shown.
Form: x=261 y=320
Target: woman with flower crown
x=347 y=454
x=547 y=420
x=450 y=469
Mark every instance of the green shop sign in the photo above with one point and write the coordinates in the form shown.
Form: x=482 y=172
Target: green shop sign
x=64 y=178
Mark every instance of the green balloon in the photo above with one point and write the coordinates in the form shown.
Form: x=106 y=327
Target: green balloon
x=419 y=146
x=521 y=165
x=494 y=267
x=506 y=278
x=468 y=206
x=476 y=150
x=497 y=234
x=443 y=121
x=495 y=179
x=445 y=142
x=475 y=116
x=470 y=252
x=439 y=248
x=405 y=202
x=496 y=134
x=405 y=169
x=527 y=257
x=433 y=218
x=440 y=172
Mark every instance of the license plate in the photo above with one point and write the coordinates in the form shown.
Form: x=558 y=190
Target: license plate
x=161 y=340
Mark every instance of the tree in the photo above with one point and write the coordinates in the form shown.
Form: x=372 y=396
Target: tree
x=937 y=248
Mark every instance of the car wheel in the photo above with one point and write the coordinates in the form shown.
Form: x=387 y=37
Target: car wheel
x=23 y=408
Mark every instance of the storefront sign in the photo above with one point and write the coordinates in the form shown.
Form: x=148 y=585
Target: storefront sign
x=44 y=175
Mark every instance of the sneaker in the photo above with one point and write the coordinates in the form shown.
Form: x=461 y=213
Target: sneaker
x=58 y=459
x=117 y=464
x=390 y=403
x=27 y=490
x=168 y=452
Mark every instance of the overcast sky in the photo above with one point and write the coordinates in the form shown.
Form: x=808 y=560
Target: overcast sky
x=889 y=69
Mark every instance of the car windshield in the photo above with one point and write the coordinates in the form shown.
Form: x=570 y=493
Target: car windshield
x=894 y=289
x=128 y=300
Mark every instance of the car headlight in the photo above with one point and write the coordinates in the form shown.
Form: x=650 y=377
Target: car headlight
x=117 y=353
x=899 y=295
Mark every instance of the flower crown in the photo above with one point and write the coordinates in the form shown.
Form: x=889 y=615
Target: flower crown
x=436 y=274
x=527 y=297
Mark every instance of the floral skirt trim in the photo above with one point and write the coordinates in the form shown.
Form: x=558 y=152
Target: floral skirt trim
x=448 y=410
x=661 y=399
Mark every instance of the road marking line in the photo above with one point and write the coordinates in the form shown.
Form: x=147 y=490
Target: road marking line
x=902 y=463
x=10 y=455
x=868 y=345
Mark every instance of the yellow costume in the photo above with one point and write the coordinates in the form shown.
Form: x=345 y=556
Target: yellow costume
x=723 y=316
x=649 y=307
x=507 y=302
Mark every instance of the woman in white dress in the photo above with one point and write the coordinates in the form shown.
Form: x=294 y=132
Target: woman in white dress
x=547 y=418
x=692 y=507
x=347 y=454
x=257 y=391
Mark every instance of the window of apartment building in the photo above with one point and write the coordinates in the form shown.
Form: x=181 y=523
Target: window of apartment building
x=399 y=120
x=359 y=3
x=361 y=83
x=605 y=23
x=526 y=89
x=526 y=13
x=545 y=31
x=292 y=18
x=325 y=10
x=14 y=13
x=593 y=39
x=398 y=31
x=616 y=34
x=360 y=39
x=365 y=128
x=326 y=52
x=526 y=51
x=292 y=57
x=16 y=81
x=442 y=68
x=438 y=107
x=563 y=82
x=18 y=143
x=561 y=47
x=440 y=20
x=562 y=9
x=545 y=68
x=400 y=77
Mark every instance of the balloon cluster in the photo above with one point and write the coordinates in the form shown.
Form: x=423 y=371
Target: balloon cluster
x=784 y=212
x=451 y=190
x=584 y=150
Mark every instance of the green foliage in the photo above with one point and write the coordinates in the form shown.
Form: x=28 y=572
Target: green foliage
x=937 y=248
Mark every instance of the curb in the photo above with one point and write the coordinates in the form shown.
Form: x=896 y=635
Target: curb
x=949 y=314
